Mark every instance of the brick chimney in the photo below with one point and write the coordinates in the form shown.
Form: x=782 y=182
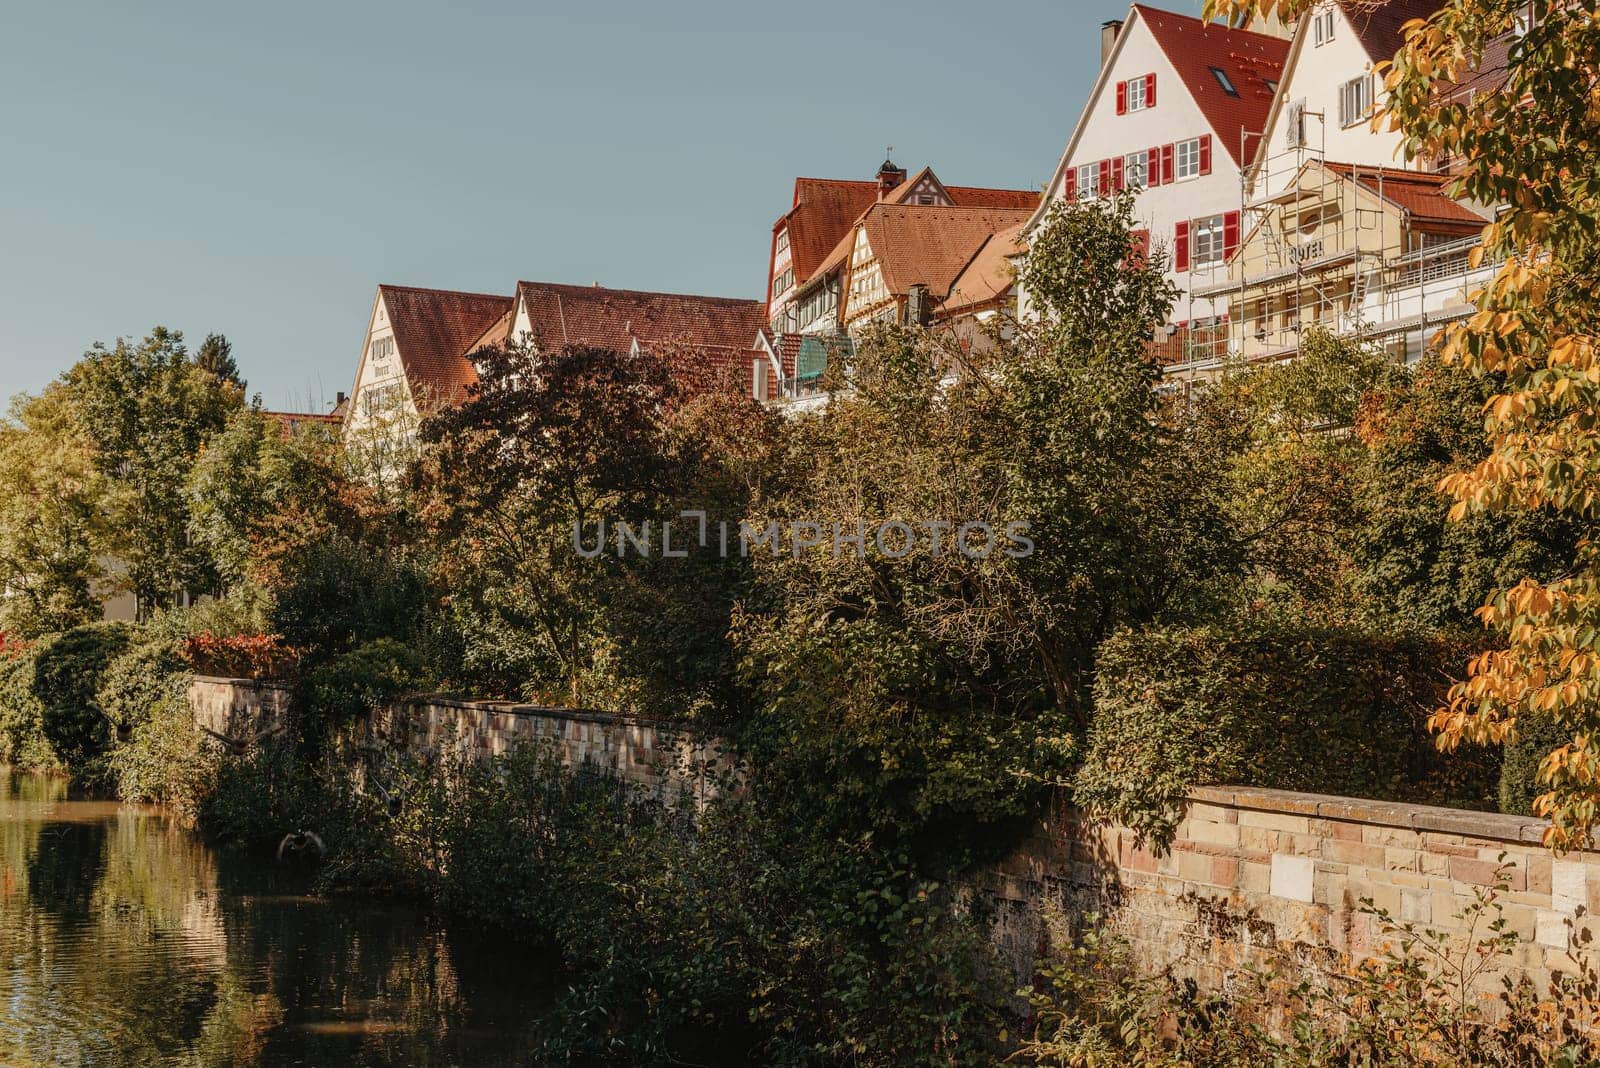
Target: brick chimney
x=889 y=178
x=1108 y=38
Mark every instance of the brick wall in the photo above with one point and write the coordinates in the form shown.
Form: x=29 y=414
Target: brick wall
x=1258 y=877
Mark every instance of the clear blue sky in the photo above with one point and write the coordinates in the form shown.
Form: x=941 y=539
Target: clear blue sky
x=257 y=169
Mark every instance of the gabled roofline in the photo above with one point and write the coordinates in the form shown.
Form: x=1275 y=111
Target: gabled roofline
x=903 y=190
x=1083 y=116
x=366 y=343
x=1290 y=61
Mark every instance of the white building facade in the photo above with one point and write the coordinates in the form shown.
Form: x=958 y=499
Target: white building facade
x=1330 y=87
x=1175 y=114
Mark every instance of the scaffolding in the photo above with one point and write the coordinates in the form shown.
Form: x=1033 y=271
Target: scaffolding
x=1320 y=247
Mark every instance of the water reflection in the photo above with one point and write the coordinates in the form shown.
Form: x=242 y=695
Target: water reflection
x=123 y=940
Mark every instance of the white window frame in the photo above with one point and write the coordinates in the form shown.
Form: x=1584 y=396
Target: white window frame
x=1207 y=240
x=1355 y=100
x=1132 y=101
x=784 y=282
x=1322 y=27
x=1134 y=165
x=1186 y=152
x=1088 y=180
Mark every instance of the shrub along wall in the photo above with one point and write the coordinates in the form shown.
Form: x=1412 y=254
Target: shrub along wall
x=1252 y=876
x=1281 y=706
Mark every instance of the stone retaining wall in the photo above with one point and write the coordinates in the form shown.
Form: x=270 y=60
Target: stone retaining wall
x=237 y=711
x=668 y=760
x=1273 y=877
x=1253 y=878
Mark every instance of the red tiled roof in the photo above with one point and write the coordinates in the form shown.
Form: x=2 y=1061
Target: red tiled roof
x=498 y=333
x=1249 y=60
x=614 y=318
x=825 y=209
x=988 y=276
x=1378 y=22
x=967 y=196
x=970 y=196
x=928 y=244
x=1421 y=195
x=433 y=331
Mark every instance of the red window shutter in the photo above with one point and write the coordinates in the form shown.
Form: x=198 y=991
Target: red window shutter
x=1117 y=177
x=1152 y=167
x=1205 y=153
x=1140 y=245
x=1072 y=183
x=1122 y=98
x=1230 y=234
x=1166 y=164
x=1149 y=90
x=1105 y=177
x=1180 y=247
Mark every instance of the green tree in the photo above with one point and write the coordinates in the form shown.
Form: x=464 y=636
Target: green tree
x=923 y=691
x=249 y=473
x=1412 y=563
x=558 y=448
x=147 y=409
x=53 y=531
x=215 y=355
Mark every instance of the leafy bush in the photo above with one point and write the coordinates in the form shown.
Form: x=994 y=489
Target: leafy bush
x=335 y=592
x=1282 y=705
x=137 y=678
x=66 y=677
x=241 y=656
x=22 y=739
x=167 y=760
x=1519 y=767
x=366 y=678
x=731 y=936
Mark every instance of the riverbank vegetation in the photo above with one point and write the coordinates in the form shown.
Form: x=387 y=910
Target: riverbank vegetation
x=1258 y=584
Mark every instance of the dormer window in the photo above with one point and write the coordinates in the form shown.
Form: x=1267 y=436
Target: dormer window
x=1222 y=80
x=1322 y=27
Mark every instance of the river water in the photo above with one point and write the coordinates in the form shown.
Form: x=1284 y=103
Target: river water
x=125 y=941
